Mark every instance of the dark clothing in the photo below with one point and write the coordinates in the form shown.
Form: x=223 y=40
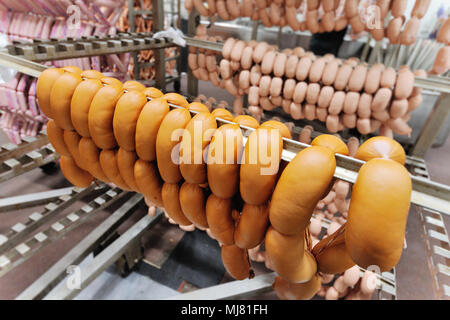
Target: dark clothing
x=327 y=42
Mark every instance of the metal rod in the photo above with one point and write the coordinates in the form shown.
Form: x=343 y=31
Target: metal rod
x=32 y=199
x=27 y=249
x=46 y=282
x=238 y=289
x=107 y=257
x=11 y=150
x=432 y=126
x=192 y=81
x=159 y=54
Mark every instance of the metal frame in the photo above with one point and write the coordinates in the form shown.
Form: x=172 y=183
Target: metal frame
x=107 y=257
x=23 y=251
x=46 y=282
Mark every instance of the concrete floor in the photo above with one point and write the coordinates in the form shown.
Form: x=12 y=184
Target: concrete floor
x=170 y=275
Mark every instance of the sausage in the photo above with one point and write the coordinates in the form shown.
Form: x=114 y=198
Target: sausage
x=312 y=21
x=90 y=155
x=300 y=92
x=342 y=77
x=310 y=111
x=410 y=31
x=364 y=105
x=233 y=8
x=44 y=87
x=170 y=194
x=80 y=104
x=405 y=84
x=101 y=114
x=337 y=103
x=77 y=176
x=246 y=58
x=71 y=140
x=60 y=98
x=357 y=78
x=388 y=78
x=238 y=48
x=245 y=120
x=321 y=114
x=125 y=162
x=196 y=137
x=132 y=85
x=288 y=256
x=198 y=4
x=443 y=34
x=325 y=96
x=330 y=72
x=398 y=7
x=394 y=30
x=349 y=120
x=381 y=147
x=288 y=89
x=192 y=202
x=369 y=241
x=332 y=123
x=316 y=71
x=108 y=163
x=149 y=181
x=260 y=164
x=279 y=66
x=219 y=219
x=275 y=87
x=331 y=142
x=236 y=262
x=125 y=119
x=296 y=111
x=56 y=137
x=255 y=75
x=373 y=78
x=442 y=61
x=259 y=52
x=284 y=130
x=303 y=67
x=198 y=106
x=381 y=100
x=289 y=212
x=224 y=154
x=351 y=8
x=286 y=290
x=177 y=99
x=399 y=108
x=147 y=126
x=92 y=74
x=222 y=10
x=222 y=114
x=351 y=103
x=331 y=253
x=363 y=125
x=252 y=225
x=268 y=62
x=169 y=135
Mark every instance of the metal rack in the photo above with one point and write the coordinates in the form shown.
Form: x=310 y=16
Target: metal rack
x=160 y=60
x=16 y=246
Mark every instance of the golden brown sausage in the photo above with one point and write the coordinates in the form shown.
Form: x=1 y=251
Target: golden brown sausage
x=172 y=125
x=219 y=219
x=149 y=181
